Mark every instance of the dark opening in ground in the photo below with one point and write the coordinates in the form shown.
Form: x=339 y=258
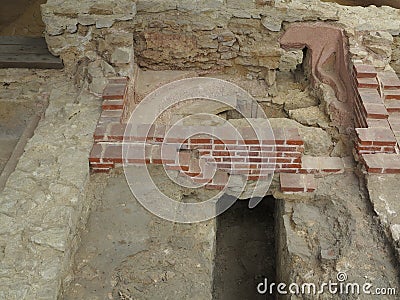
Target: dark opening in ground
x=245 y=250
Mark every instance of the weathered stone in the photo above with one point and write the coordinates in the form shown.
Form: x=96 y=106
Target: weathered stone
x=290 y=60
x=54 y=238
x=272 y=23
x=121 y=56
x=310 y=116
x=104 y=21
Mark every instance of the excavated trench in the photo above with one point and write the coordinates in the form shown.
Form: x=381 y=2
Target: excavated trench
x=127 y=252
x=245 y=250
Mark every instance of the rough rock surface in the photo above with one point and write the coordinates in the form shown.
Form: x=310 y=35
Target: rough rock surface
x=44 y=200
x=333 y=231
x=384 y=194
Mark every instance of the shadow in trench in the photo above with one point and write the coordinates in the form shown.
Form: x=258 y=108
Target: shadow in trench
x=245 y=251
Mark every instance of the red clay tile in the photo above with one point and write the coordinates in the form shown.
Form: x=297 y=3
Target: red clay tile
x=367 y=83
x=292 y=136
x=112 y=104
x=112 y=153
x=377 y=123
x=375 y=111
x=331 y=164
x=392 y=94
x=96 y=153
x=99 y=133
x=382 y=163
x=392 y=105
x=370 y=96
x=118 y=80
x=364 y=71
x=376 y=137
x=389 y=80
x=295 y=183
x=116 y=132
x=214 y=187
x=114 y=91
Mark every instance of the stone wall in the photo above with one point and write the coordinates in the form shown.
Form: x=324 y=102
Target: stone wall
x=98 y=40
x=395 y=63
x=89 y=38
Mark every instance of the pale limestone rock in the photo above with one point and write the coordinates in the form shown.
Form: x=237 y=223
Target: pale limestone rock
x=290 y=59
x=121 y=55
x=54 y=238
x=272 y=23
x=310 y=116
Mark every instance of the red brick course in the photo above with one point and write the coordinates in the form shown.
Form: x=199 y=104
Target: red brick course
x=377 y=118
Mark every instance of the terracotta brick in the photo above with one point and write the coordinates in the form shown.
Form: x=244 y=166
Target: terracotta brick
x=163 y=154
x=214 y=187
x=389 y=80
x=367 y=83
x=159 y=133
x=138 y=153
x=99 y=133
x=96 y=153
x=184 y=158
x=219 y=147
x=375 y=111
x=311 y=164
x=392 y=105
x=111 y=113
x=292 y=136
x=201 y=180
x=112 y=105
x=383 y=123
x=290 y=166
x=289 y=149
x=114 y=91
x=112 y=153
x=247 y=153
x=295 y=183
x=118 y=80
x=382 y=163
x=200 y=140
x=247 y=134
x=234 y=159
x=392 y=94
x=116 y=132
x=249 y=142
x=102 y=165
x=331 y=164
x=364 y=71
x=370 y=96
x=375 y=137
x=221 y=153
x=101 y=170
x=177 y=134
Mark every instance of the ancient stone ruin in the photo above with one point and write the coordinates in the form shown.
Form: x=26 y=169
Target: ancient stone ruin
x=175 y=149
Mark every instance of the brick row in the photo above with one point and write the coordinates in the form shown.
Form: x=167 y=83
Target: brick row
x=297 y=183
x=382 y=163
